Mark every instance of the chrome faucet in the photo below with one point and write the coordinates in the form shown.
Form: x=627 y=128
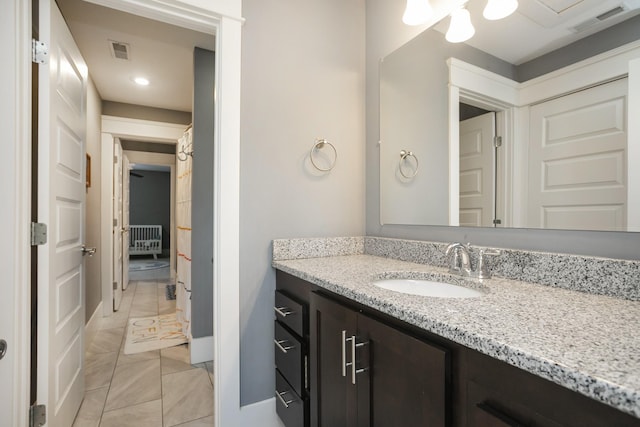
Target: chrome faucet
x=461 y=261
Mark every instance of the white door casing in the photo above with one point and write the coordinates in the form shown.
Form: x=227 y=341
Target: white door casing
x=61 y=205
x=126 y=167
x=117 y=225
x=220 y=17
x=477 y=171
x=577 y=160
x=15 y=188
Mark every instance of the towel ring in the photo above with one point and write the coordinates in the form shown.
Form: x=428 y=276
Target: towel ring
x=403 y=156
x=320 y=143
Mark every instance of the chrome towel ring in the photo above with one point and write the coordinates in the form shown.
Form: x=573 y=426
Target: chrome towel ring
x=404 y=155
x=318 y=145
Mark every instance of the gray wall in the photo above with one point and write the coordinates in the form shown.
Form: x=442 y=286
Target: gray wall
x=302 y=79
x=415 y=92
x=93 y=266
x=385 y=33
x=150 y=201
x=202 y=196
x=141 y=112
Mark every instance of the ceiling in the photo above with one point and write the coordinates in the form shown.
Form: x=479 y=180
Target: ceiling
x=160 y=52
x=163 y=53
x=540 y=26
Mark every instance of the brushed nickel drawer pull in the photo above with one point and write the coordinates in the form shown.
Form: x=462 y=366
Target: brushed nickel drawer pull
x=284 y=402
x=282 y=347
x=283 y=311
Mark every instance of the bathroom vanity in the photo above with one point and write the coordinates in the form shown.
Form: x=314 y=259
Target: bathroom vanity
x=521 y=354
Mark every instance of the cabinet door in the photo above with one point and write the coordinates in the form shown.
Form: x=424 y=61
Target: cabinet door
x=334 y=403
x=408 y=378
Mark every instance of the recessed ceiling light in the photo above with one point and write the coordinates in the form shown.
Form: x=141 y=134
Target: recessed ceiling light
x=141 y=81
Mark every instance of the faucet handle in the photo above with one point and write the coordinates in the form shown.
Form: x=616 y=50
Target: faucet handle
x=483 y=271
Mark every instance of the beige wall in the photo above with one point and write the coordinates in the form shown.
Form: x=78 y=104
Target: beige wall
x=302 y=78
x=92 y=233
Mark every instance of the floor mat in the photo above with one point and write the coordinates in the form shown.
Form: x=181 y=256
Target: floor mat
x=153 y=333
x=151 y=264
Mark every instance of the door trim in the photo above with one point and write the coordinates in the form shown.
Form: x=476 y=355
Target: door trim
x=18 y=74
x=112 y=128
x=471 y=83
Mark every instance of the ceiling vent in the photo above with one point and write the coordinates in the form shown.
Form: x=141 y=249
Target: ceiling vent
x=598 y=19
x=119 y=50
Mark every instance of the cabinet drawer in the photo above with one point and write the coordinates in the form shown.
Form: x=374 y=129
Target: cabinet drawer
x=290 y=407
x=290 y=358
x=290 y=313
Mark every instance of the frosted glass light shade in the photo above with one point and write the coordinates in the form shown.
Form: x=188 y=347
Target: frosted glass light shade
x=498 y=9
x=460 y=27
x=417 y=12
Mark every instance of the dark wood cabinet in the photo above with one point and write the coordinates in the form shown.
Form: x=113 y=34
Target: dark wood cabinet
x=499 y=395
x=352 y=366
x=291 y=347
x=371 y=374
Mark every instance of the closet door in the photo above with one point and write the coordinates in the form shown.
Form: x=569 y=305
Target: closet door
x=577 y=160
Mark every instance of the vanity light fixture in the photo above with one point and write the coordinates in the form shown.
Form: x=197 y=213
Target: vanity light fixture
x=460 y=27
x=417 y=12
x=498 y=9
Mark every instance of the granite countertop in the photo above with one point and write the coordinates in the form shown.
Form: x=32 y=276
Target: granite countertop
x=587 y=343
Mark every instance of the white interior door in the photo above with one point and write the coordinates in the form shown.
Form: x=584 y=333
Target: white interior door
x=117 y=225
x=477 y=159
x=61 y=205
x=126 y=167
x=577 y=160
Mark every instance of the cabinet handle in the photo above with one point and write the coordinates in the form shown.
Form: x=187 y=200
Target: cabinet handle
x=283 y=311
x=284 y=402
x=344 y=353
x=354 y=346
x=504 y=419
x=283 y=348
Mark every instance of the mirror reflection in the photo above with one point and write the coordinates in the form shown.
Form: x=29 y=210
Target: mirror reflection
x=552 y=159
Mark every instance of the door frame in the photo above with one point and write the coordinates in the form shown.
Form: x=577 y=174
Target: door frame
x=486 y=89
x=125 y=128
x=222 y=18
x=15 y=109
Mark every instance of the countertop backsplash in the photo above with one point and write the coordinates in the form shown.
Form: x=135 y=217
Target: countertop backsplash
x=601 y=276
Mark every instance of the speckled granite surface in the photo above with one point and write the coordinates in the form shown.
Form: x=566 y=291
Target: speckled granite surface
x=587 y=343
x=316 y=247
x=602 y=276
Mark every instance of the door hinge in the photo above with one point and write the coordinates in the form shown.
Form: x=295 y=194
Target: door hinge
x=37 y=415
x=497 y=141
x=39 y=52
x=38 y=233
x=115 y=285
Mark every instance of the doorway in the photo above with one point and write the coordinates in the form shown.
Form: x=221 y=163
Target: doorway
x=212 y=18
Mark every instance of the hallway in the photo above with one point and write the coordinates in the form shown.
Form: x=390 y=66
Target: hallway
x=152 y=389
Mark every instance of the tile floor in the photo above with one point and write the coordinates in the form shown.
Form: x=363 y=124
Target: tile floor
x=152 y=389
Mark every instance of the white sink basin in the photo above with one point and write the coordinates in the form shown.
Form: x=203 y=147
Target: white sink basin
x=427 y=288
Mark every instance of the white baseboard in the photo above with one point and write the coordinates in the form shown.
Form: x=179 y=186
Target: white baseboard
x=261 y=414
x=201 y=349
x=93 y=326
